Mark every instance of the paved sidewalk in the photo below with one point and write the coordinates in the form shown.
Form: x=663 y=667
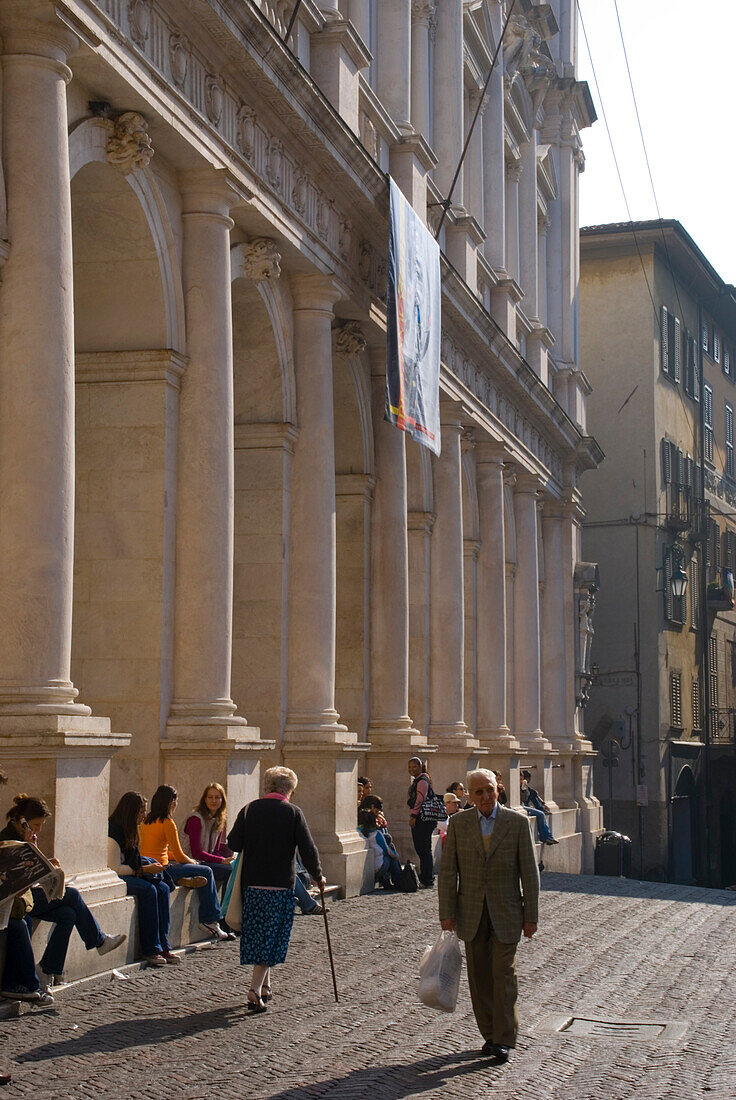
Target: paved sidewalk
x=606 y=948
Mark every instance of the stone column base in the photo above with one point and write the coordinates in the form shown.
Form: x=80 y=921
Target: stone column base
x=230 y=755
x=327 y=793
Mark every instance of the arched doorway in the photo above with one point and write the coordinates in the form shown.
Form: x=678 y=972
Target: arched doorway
x=683 y=827
x=728 y=839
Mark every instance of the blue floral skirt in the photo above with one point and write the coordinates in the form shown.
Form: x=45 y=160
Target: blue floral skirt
x=268 y=916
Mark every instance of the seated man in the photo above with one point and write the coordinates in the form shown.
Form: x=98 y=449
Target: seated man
x=373 y=825
x=537 y=809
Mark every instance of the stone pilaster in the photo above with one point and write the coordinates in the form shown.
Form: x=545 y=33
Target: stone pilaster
x=393 y=60
x=513 y=175
x=447 y=139
x=528 y=238
x=422 y=15
x=494 y=181
x=527 y=655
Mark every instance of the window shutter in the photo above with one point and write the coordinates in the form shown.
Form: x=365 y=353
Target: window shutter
x=664 y=341
x=697 y=719
x=716 y=345
x=679 y=468
x=676 y=700
x=666 y=462
x=694 y=587
x=669 y=599
x=688 y=472
x=726 y=361
x=677 y=354
x=696 y=370
x=704 y=335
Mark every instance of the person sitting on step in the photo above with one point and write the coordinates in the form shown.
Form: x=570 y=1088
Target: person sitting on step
x=537 y=809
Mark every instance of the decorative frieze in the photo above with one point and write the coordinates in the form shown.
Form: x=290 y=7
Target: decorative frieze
x=246 y=120
x=129 y=145
x=213 y=97
x=179 y=58
x=139 y=21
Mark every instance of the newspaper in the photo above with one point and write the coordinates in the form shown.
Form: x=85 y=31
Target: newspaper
x=22 y=866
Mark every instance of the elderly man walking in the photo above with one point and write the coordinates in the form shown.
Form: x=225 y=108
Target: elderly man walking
x=489 y=894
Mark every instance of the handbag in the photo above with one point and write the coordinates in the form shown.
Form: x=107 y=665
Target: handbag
x=232 y=902
x=433 y=808
x=409 y=881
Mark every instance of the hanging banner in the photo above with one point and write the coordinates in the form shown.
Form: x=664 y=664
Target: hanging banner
x=413 y=325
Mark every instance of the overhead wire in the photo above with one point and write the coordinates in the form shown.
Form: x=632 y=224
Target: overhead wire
x=628 y=207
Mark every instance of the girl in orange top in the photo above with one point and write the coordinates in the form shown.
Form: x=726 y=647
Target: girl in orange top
x=160 y=841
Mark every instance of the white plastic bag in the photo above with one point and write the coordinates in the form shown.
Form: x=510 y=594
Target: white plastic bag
x=439 y=973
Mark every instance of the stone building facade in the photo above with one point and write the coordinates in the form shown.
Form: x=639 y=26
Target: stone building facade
x=215 y=552
x=672 y=787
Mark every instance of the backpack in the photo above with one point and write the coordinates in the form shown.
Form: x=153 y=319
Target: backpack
x=409 y=881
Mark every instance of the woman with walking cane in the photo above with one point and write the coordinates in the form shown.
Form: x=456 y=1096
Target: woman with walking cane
x=267 y=832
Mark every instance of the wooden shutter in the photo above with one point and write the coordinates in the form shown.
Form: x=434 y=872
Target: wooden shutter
x=676 y=372
x=669 y=599
x=676 y=699
x=695 y=696
x=664 y=359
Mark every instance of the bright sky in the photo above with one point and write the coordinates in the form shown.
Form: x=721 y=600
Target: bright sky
x=682 y=66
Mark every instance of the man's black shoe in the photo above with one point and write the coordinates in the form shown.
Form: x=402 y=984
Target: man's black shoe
x=500 y=1053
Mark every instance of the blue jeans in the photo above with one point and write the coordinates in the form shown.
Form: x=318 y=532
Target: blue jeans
x=543 y=830
x=19 y=974
x=153 y=911
x=209 y=906
x=221 y=873
x=390 y=873
x=65 y=914
x=304 y=899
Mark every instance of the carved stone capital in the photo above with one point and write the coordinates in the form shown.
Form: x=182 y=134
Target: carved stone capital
x=422 y=11
x=129 y=145
x=350 y=340
x=257 y=260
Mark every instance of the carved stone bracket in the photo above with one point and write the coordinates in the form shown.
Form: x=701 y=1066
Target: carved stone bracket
x=258 y=259
x=129 y=145
x=350 y=339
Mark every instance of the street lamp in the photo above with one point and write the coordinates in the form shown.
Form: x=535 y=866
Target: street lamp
x=679 y=582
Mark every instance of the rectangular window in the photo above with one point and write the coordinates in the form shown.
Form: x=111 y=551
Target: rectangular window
x=713 y=550
x=708 y=403
x=676 y=700
x=695 y=696
x=729 y=440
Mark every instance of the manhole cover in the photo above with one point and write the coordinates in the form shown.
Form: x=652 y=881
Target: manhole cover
x=592 y=1027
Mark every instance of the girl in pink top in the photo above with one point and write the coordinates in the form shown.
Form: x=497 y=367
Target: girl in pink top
x=205 y=829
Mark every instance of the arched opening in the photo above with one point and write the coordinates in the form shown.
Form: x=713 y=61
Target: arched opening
x=728 y=839
x=353 y=496
x=683 y=827
x=264 y=443
x=126 y=408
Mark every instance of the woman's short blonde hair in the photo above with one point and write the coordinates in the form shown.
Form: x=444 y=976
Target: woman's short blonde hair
x=279 y=781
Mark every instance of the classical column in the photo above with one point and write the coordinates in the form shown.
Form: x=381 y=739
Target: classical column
x=493 y=728
x=422 y=15
x=360 y=17
x=315 y=743
x=51 y=743
x=528 y=254
x=513 y=174
x=494 y=175
x=202 y=712
x=527 y=670
x=311 y=711
x=474 y=168
x=37 y=355
x=393 y=59
x=447 y=139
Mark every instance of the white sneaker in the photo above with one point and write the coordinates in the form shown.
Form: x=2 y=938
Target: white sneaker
x=48 y=982
x=109 y=942
x=214 y=930
x=40 y=997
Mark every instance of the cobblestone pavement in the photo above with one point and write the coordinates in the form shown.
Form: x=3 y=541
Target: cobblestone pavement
x=606 y=948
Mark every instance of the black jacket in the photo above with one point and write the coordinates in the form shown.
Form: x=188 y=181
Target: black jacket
x=268 y=832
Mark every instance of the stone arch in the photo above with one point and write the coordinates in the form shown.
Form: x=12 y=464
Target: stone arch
x=88 y=144
x=277 y=300
x=126 y=384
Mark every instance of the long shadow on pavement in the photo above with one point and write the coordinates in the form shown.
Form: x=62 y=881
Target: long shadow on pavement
x=141 y=1031
x=394 y=1082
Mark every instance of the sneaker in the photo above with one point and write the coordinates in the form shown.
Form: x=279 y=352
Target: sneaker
x=49 y=981
x=155 y=960
x=22 y=994
x=213 y=929
x=171 y=958
x=317 y=911
x=192 y=883
x=551 y=840
x=110 y=942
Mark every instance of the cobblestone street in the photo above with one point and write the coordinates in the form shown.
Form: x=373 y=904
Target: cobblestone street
x=606 y=949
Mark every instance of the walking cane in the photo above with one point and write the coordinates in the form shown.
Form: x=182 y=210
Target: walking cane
x=329 y=945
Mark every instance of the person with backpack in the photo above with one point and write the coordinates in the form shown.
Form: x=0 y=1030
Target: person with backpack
x=425 y=810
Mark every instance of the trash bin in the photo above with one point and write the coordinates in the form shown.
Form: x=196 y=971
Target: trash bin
x=613 y=855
